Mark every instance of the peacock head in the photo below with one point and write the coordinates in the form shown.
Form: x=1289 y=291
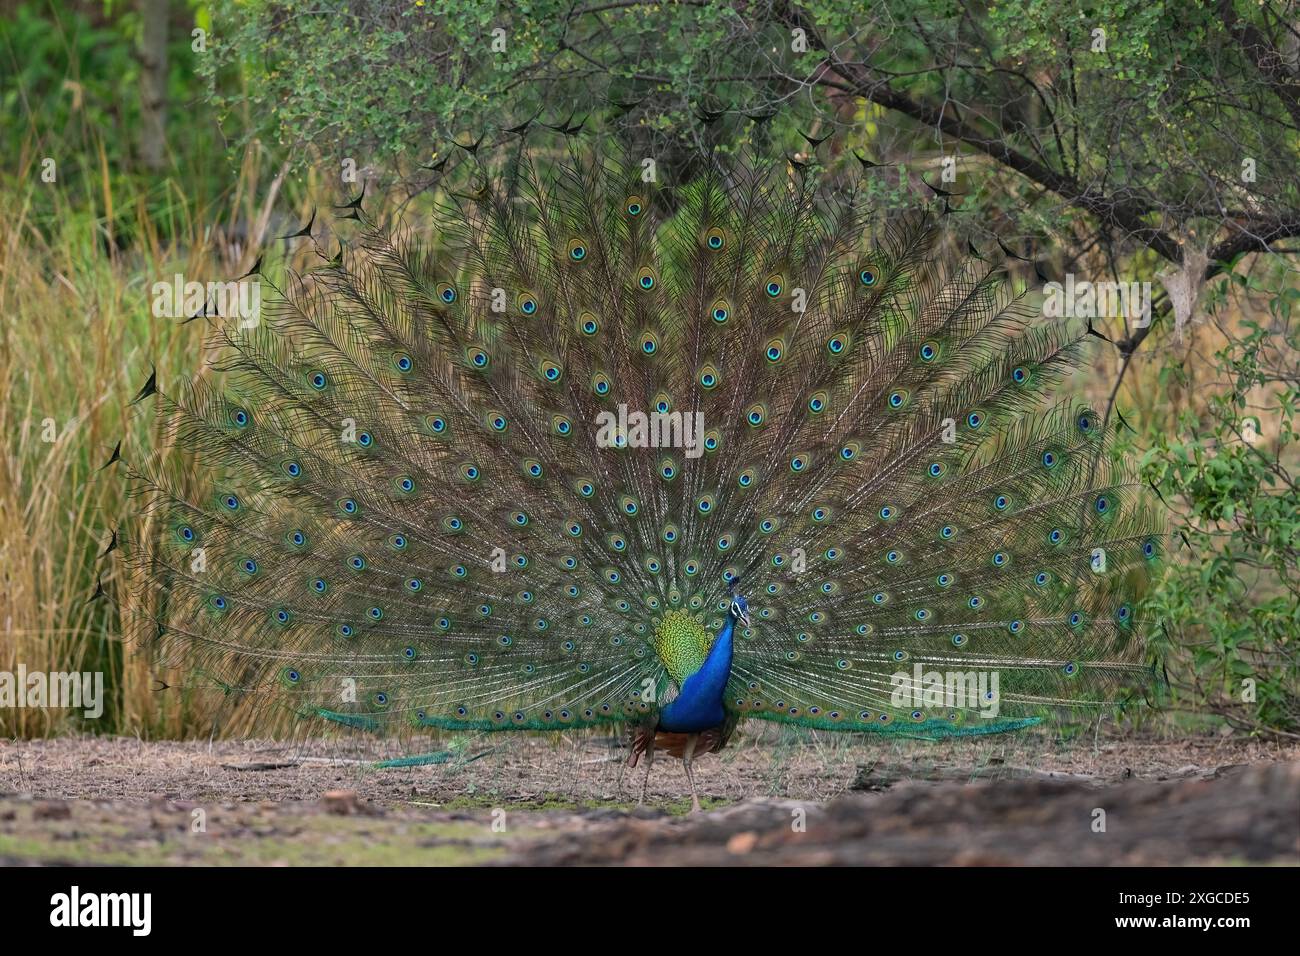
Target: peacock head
x=740 y=609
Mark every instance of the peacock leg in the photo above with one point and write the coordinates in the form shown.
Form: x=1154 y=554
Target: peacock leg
x=690 y=776
x=649 y=762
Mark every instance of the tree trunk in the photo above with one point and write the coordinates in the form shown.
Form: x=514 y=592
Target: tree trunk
x=153 y=83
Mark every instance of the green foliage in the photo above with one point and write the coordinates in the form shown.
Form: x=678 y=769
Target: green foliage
x=1233 y=603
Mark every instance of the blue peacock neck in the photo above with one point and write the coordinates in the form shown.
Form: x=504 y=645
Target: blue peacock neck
x=698 y=705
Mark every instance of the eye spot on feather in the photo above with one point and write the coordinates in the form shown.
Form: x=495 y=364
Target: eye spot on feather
x=577 y=250
x=645 y=279
x=527 y=304
x=958 y=640
x=318 y=381
x=867 y=277
x=774 y=351
x=715 y=239
x=1020 y=375
x=897 y=399
x=402 y=362
x=446 y=292
x=239 y=418
x=478 y=358
x=773 y=286
x=649 y=343
x=928 y=352
x=634 y=206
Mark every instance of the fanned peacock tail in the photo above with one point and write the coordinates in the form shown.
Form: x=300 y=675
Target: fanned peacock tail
x=416 y=500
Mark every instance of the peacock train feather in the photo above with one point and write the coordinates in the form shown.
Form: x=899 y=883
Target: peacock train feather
x=528 y=471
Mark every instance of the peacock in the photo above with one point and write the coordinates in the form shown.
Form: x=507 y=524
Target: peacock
x=581 y=450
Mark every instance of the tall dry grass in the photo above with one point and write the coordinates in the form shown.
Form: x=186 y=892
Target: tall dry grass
x=77 y=340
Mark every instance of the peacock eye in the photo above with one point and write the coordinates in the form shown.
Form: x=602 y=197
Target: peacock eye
x=867 y=277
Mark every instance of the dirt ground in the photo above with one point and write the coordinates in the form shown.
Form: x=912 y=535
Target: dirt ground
x=776 y=796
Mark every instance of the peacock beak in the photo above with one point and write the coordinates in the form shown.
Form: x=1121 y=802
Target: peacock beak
x=744 y=619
